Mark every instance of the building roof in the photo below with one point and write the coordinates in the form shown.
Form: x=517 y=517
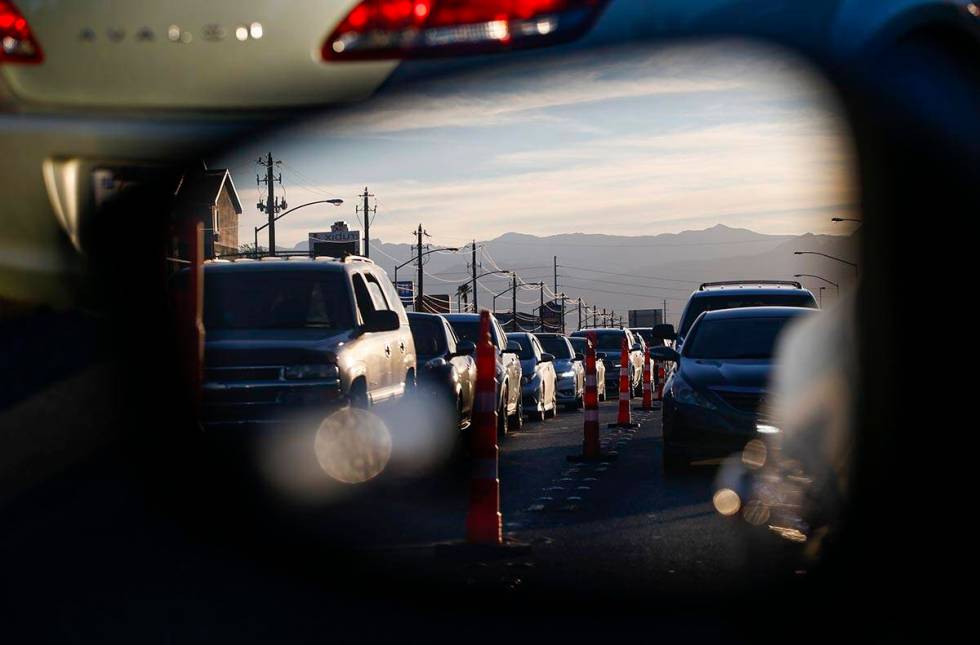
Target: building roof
x=203 y=186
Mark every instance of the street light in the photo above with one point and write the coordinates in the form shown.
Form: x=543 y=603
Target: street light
x=335 y=202
x=811 y=275
x=826 y=256
x=423 y=254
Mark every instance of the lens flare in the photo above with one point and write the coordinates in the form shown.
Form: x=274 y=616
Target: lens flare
x=726 y=502
x=352 y=445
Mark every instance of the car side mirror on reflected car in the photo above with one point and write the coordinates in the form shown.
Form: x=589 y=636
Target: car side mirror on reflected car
x=636 y=347
x=465 y=348
x=664 y=330
x=579 y=356
x=381 y=320
x=547 y=358
x=513 y=347
x=600 y=356
x=663 y=353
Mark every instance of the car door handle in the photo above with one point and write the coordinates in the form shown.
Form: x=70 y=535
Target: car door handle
x=387 y=350
x=402 y=345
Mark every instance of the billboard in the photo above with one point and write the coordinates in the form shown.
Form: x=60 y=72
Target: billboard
x=406 y=291
x=337 y=243
x=645 y=317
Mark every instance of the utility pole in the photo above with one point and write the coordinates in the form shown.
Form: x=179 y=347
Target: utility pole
x=579 y=314
x=419 y=306
x=563 y=313
x=270 y=207
x=513 y=304
x=541 y=308
x=665 y=310
x=476 y=307
x=368 y=211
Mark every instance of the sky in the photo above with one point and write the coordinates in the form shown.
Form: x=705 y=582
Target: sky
x=626 y=141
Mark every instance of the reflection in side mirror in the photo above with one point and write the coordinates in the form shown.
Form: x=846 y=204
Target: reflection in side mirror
x=465 y=348
x=579 y=356
x=513 y=347
x=663 y=353
x=636 y=347
x=547 y=358
x=600 y=356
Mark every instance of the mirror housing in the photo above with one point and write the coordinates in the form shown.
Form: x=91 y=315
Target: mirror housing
x=600 y=356
x=547 y=358
x=465 y=348
x=636 y=347
x=664 y=353
x=383 y=320
x=664 y=330
x=579 y=356
x=513 y=347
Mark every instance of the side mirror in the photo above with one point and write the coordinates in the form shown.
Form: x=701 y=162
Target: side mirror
x=600 y=356
x=664 y=330
x=579 y=357
x=513 y=347
x=664 y=353
x=547 y=358
x=636 y=347
x=465 y=348
x=383 y=320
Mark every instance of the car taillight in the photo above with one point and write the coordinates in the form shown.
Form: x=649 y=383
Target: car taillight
x=17 y=44
x=377 y=29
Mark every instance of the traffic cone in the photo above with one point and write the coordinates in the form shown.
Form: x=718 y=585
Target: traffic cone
x=590 y=445
x=624 y=419
x=484 y=523
x=647 y=389
x=661 y=377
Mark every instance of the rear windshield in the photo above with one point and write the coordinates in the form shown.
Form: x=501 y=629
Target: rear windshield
x=648 y=337
x=556 y=346
x=527 y=350
x=470 y=330
x=276 y=300
x=579 y=344
x=609 y=341
x=429 y=336
x=734 y=301
x=735 y=338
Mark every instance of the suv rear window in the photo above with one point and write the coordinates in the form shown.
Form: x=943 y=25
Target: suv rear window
x=696 y=306
x=276 y=300
x=607 y=341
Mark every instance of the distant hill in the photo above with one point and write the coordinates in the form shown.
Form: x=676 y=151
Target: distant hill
x=621 y=272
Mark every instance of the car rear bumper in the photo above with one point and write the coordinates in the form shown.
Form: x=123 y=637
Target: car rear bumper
x=704 y=433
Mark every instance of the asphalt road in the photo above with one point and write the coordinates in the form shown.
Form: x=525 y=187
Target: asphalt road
x=99 y=554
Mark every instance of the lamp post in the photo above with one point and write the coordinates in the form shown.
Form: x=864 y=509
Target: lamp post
x=335 y=202
x=422 y=255
x=818 y=277
x=827 y=256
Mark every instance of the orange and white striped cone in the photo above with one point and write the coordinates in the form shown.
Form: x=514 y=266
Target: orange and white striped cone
x=590 y=444
x=661 y=377
x=189 y=308
x=624 y=419
x=647 y=387
x=484 y=523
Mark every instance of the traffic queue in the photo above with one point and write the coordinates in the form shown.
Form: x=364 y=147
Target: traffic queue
x=291 y=335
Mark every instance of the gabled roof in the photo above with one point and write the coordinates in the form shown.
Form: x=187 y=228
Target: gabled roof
x=203 y=186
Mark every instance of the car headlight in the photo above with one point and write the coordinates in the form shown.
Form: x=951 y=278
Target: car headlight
x=308 y=372
x=568 y=374
x=436 y=362
x=684 y=393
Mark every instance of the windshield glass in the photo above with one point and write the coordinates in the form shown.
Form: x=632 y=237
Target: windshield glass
x=735 y=338
x=467 y=330
x=609 y=341
x=527 y=351
x=276 y=300
x=556 y=346
x=697 y=306
x=429 y=336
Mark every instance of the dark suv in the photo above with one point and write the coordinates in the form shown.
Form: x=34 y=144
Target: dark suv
x=289 y=335
x=609 y=342
x=736 y=294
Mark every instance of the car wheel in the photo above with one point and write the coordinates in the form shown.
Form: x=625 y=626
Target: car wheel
x=517 y=420
x=554 y=407
x=358 y=395
x=503 y=421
